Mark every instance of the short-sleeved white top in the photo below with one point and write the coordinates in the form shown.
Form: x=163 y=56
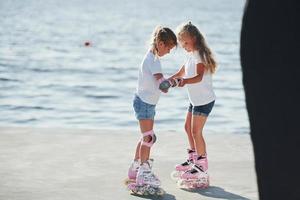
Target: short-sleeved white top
x=148 y=86
x=200 y=93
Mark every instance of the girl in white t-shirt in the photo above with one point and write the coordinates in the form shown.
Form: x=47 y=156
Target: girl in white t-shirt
x=146 y=97
x=196 y=74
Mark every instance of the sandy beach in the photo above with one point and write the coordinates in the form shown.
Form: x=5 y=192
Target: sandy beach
x=71 y=164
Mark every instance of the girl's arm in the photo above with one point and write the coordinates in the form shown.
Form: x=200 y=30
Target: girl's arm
x=159 y=76
x=195 y=79
x=178 y=74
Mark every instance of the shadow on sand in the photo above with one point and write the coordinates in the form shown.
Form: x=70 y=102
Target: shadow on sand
x=217 y=192
x=166 y=196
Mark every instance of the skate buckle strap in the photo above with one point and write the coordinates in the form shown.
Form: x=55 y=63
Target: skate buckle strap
x=198 y=168
x=187 y=162
x=190 y=151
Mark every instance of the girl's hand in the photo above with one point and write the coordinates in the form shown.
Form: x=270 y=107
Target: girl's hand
x=173 y=82
x=181 y=82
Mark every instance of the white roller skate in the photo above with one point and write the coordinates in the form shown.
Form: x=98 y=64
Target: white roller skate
x=146 y=182
x=183 y=167
x=197 y=177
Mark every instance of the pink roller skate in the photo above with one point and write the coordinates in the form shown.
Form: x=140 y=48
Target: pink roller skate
x=197 y=177
x=146 y=182
x=187 y=165
x=201 y=161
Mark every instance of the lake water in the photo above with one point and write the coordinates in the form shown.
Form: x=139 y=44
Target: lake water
x=49 y=78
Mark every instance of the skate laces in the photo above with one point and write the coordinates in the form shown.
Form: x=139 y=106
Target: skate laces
x=150 y=162
x=147 y=163
x=149 y=174
x=146 y=173
x=145 y=169
x=135 y=165
x=148 y=177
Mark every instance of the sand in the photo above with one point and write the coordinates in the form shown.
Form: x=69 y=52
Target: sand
x=90 y=164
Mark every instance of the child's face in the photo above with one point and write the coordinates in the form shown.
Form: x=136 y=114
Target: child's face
x=187 y=42
x=163 y=49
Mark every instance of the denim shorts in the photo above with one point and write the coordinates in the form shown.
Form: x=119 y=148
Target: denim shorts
x=142 y=109
x=202 y=110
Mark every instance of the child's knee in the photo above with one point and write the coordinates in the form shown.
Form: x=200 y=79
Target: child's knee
x=187 y=127
x=196 y=133
x=148 y=139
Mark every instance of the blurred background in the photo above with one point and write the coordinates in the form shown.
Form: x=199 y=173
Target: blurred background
x=75 y=63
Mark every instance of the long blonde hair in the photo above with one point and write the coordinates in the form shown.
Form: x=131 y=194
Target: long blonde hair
x=200 y=45
x=163 y=34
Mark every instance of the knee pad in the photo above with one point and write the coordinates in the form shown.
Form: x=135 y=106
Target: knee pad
x=152 y=138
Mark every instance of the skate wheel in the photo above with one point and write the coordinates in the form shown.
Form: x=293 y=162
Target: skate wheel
x=127 y=181
x=143 y=190
x=204 y=182
x=151 y=191
x=175 y=175
x=130 y=186
x=134 y=190
x=201 y=186
x=181 y=183
x=185 y=184
x=160 y=192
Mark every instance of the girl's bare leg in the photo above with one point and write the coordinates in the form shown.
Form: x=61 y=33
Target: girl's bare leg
x=137 y=152
x=188 y=129
x=197 y=125
x=144 y=151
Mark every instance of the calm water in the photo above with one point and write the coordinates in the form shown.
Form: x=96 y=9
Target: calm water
x=49 y=78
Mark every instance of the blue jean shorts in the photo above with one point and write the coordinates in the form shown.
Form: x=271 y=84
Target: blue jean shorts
x=202 y=110
x=142 y=109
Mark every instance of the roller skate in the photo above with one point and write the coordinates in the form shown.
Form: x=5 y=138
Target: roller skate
x=183 y=167
x=132 y=172
x=197 y=176
x=146 y=182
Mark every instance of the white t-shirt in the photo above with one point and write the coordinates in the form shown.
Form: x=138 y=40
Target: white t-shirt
x=200 y=93
x=148 y=86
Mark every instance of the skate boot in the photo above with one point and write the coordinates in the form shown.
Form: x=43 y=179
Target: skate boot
x=197 y=176
x=146 y=182
x=201 y=161
x=146 y=176
x=133 y=169
x=187 y=165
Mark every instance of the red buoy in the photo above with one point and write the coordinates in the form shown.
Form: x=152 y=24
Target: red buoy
x=87 y=43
